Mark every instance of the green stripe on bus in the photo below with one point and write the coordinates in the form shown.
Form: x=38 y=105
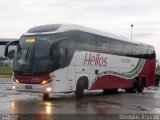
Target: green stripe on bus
x=135 y=68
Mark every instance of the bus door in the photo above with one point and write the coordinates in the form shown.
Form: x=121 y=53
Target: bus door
x=71 y=78
x=61 y=80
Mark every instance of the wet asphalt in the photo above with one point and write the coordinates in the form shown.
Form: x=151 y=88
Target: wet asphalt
x=94 y=105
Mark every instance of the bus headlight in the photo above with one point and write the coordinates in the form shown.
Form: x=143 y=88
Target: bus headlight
x=16 y=81
x=48 y=89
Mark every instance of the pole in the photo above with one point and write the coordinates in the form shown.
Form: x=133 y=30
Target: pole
x=131 y=31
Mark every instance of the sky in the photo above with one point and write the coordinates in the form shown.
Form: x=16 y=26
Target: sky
x=113 y=16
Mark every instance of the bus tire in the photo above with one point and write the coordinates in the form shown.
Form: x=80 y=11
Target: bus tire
x=134 y=88
x=141 y=86
x=79 y=89
x=45 y=96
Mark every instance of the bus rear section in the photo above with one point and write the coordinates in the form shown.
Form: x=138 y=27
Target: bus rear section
x=106 y=71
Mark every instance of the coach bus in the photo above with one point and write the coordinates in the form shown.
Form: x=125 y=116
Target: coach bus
x=71 y=58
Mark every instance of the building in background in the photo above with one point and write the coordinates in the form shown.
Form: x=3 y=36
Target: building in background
x=5 y=61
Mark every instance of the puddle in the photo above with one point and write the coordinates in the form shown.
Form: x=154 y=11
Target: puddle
x=142 y=108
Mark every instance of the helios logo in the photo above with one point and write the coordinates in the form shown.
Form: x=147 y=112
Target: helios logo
x=96 y=60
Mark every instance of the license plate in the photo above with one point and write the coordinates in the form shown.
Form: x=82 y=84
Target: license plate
x=28 y=87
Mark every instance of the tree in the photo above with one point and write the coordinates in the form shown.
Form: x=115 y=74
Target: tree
x=11 y=54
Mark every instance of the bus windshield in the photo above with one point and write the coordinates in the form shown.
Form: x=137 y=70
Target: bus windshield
x=33 y=54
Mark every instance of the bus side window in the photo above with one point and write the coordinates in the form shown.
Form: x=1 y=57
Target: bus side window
x=137 y=51
x=148 y=52
x=151 y=53
x=145 y=52
x=116 y=47
x=127 y=49
x=103 y=45
x=65 y=51
x=62 y=55
x=87 y=42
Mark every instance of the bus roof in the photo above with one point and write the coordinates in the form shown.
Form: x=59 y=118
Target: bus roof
x=56 y=28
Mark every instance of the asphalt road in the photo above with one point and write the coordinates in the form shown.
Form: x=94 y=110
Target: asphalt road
x=94 y=105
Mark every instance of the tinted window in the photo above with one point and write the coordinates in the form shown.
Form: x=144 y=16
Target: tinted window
x=116 y=47
x=103 y=44
x=137 y=50
x=73 y=34
x=148 y=52
x=127 y=49
x=33 y=54
x=145 y=50
x=87 y=42
x=65 y=51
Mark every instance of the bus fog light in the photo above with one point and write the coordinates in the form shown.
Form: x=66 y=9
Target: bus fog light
x=13 y=87
x=48 y=89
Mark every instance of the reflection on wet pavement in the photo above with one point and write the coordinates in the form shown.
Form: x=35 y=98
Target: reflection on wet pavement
x=93 y=103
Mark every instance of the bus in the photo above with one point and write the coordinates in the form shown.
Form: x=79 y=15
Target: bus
x=68 y=58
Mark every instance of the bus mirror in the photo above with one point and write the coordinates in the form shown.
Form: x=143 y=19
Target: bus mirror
x=7 y=46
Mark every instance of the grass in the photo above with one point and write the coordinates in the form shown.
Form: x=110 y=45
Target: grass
x=6 y=70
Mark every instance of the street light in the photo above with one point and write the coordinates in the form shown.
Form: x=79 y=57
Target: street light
x=131 y=30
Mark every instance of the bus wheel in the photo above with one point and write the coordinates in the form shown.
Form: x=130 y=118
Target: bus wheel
x=141 y=86
x=134 y=87
x=45 y=96
x=80 y=89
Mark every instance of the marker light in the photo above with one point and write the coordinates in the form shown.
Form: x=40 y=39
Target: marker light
x=44 y=82
x=17 y=81
x=48 y=89
x=51 y=79
x=13 y=87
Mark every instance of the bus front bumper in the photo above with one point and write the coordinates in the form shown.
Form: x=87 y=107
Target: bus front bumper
x=48 y=88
